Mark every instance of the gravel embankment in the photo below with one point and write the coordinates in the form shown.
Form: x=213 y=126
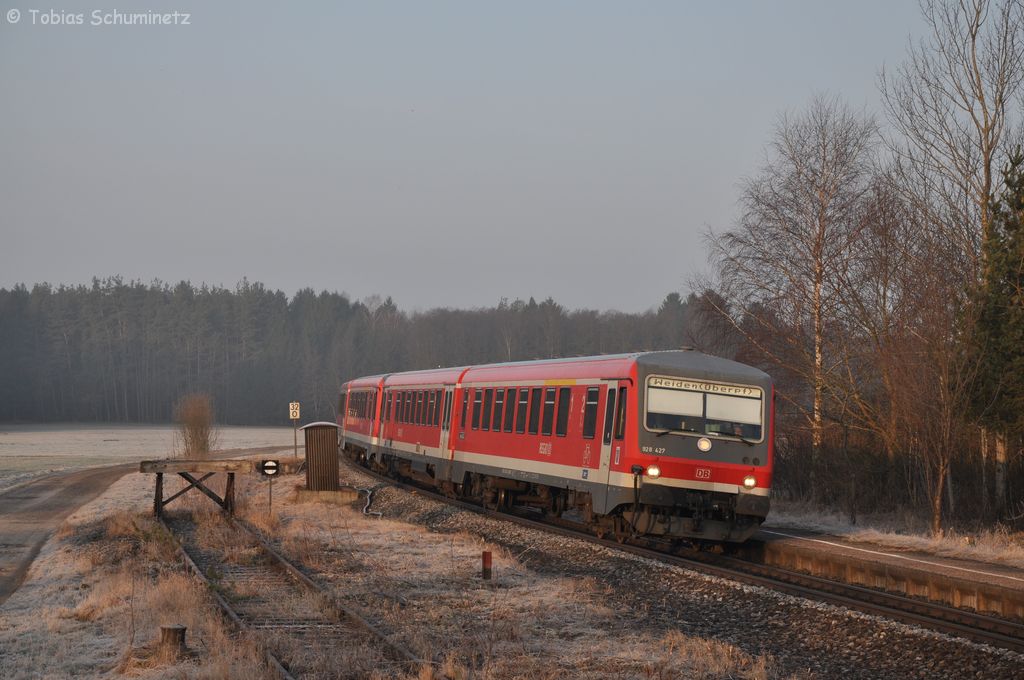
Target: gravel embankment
x=798 y=637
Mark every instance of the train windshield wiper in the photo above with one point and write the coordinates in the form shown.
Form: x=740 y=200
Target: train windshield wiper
x=675 y=429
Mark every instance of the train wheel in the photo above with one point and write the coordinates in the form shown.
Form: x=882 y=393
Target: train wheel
x=622 y=530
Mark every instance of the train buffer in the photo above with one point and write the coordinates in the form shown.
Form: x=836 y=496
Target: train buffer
x=198 y=472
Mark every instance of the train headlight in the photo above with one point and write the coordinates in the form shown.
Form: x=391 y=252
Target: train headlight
x=653 y=471
x=749 y=481
x=704 y=444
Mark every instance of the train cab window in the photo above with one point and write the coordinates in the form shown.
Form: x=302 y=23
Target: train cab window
x=478 y=396
x=590 y=412
x=510 y=408
x=564 y=400
x=535 y=395
x=524 y=400
x=465 y=407
x=620 y=416
x=499 y=409
x=486 y=423
x=549 y=411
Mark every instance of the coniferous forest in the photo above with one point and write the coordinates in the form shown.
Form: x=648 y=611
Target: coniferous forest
x=124 y=351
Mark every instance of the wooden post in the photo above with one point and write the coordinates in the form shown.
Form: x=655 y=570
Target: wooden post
x=172 y=642
x=158 y=496
x=229 y=494
x=487 y=565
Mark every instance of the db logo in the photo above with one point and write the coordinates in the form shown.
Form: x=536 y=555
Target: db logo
x=703 y=473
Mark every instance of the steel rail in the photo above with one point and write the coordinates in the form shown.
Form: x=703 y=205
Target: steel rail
x=280 y=563
x=975 y=626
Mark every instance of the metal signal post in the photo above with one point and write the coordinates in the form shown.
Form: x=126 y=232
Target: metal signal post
x=293 y=413
x=269 y=468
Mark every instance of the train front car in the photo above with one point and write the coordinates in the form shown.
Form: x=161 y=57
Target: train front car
x=703 y=463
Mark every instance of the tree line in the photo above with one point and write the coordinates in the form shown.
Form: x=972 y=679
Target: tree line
x=125 y=351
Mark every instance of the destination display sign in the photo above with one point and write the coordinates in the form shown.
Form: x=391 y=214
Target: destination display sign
x=703 y=386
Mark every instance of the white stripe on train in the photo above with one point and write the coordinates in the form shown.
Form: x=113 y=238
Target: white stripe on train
x=617 y=479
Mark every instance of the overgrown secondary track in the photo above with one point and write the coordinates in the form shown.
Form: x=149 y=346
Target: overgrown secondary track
x=303 y=630
x=963 y=623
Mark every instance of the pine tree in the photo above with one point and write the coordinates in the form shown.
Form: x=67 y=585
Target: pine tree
x=999 y=330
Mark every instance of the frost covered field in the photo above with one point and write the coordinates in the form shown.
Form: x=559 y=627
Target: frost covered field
x=27 y=451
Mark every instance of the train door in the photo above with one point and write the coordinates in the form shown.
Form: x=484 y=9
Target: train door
x=446 y=420
x=610 y=388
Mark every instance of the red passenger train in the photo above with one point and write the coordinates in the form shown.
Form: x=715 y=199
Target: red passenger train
x=676 y=444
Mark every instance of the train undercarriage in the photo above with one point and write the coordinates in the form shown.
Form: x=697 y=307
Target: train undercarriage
x=696 y=517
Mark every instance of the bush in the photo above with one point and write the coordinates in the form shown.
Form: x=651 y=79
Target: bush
x=194 y=415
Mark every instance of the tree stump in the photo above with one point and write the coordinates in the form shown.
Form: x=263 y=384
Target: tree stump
x=172 y=642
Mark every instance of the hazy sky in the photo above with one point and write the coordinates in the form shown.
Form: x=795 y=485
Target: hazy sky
x=448 y=153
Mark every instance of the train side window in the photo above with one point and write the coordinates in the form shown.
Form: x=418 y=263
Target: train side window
x=408 y=407
x=609 y=415
x=438 y=396
x=510 y=408
x=400 y=413
x=478 y=396
x=425 y=409
x=432 y=411
x=418 y=409
x=465 y=407
x=549 y=411
x=535 y=397
x=499 y=409
x=620 y=417
x=590 y=412
x=564 y=400
x=447 y=418
x=486 y=423
x=524 y=399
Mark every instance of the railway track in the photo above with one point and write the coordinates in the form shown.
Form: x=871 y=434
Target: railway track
x=962 y=623
x=302 y=629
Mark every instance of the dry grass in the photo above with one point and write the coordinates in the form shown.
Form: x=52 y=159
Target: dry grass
x=997 y=546
x=132 y=585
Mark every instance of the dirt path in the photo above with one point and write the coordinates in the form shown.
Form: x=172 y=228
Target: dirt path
x=31 y=512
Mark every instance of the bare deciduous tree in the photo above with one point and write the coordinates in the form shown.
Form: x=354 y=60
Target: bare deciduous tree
x=780 y=268
x=953 y=104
